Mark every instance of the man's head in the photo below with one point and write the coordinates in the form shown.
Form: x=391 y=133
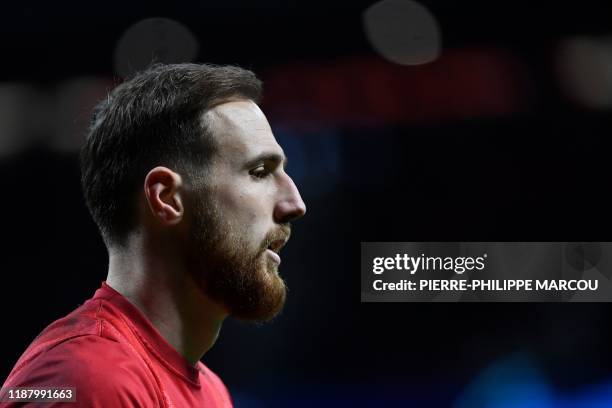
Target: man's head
x=183 y=151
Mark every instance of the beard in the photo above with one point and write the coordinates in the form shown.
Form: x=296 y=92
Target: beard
x=230 y=271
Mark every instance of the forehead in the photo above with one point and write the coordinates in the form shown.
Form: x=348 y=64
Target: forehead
x=241 y=130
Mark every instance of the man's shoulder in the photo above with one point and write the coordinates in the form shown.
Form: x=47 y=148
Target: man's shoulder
x=80 y=334
x=83 y=350
x=103 y=372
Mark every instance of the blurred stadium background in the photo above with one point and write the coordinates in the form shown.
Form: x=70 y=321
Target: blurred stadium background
x=403 y=121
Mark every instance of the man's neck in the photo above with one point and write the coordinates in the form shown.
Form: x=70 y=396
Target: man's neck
x=169 y=298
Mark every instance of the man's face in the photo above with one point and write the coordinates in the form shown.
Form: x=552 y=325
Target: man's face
x=242 y=215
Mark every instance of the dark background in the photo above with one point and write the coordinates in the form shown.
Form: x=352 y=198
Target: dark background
x=502 y=138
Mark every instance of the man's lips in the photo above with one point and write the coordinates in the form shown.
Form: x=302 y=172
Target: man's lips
x=274 y=248
x=274 y=256
x=278 y=244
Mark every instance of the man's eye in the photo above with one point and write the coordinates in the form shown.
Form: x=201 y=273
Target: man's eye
x=259 y=172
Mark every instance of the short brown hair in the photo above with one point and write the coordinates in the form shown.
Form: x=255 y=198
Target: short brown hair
x=154 y=118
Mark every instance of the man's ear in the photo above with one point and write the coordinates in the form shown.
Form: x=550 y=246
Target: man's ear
x=162 y=189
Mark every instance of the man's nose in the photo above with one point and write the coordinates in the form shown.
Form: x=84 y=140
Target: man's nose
x=290 y=205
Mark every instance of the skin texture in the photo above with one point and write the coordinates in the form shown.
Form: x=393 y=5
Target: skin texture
x=200 y=253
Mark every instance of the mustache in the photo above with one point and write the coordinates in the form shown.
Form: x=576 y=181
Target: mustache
x=283 y=232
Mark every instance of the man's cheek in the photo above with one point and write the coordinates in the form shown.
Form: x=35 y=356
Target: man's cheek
x=229 y=196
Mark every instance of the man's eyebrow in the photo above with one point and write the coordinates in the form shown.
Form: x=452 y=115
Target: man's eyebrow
x=267 y=157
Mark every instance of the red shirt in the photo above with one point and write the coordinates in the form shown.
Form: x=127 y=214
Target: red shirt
x=114 y=357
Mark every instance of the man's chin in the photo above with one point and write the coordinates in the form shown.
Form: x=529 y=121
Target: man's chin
x=268 y=302
x=265 y=312
x=252 y=292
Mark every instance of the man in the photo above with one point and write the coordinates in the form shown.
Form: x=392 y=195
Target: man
x=187 y=184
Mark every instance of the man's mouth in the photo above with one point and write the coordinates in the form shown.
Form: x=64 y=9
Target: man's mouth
x=274 y=256
x=274 y=249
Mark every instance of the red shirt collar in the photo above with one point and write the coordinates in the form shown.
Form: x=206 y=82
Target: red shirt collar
x=150 y=336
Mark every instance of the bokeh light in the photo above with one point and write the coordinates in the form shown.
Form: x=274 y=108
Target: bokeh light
x=402 y=31
x=75 y=100
x=154 y=40
x=24 y=116
x=585 y=70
